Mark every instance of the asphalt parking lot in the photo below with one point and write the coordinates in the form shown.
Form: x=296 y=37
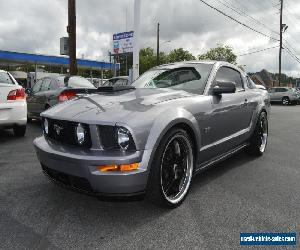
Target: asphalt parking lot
x=242 y=194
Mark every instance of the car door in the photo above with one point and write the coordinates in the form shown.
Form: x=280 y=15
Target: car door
x=281 y=93
x=41 y=96
x=227 y=122
x=32 y=98
x=272 y=93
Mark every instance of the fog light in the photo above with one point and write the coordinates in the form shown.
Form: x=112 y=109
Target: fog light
x=120 y=168
x=80 y=134
x=46 y=126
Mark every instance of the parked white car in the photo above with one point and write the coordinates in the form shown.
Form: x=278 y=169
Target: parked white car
x=13 y=106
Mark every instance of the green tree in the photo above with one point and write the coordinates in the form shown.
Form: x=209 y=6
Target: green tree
x=178 y=55
x=224 y=53
x=147 y=59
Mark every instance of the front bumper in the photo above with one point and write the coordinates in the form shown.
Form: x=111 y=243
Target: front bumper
x=295 y=98
x=77 y=168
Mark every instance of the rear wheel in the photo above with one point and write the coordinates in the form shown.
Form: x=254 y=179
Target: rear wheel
x=285 y=101
x=19 y=131
x=259 y=139
x=172 y=170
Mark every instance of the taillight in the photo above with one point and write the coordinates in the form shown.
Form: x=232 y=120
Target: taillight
x=66 y=95
x=17 y=94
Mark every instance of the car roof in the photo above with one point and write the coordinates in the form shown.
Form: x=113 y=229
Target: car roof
x=194 y=62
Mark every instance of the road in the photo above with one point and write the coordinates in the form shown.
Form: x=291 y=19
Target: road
x=242 y=194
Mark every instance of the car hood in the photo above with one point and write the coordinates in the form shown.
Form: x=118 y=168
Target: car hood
x=113 y=107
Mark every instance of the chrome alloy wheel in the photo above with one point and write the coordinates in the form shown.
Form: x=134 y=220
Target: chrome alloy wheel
x=263 y=133
x=176 y=168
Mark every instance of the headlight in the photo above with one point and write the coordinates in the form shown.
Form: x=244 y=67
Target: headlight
x=80 y=134
x=46 y=126
x=123 y=138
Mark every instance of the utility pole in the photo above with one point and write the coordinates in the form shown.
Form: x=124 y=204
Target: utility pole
x=157 y=52
x=280 y=45
x=72 y=36
x=136 y=40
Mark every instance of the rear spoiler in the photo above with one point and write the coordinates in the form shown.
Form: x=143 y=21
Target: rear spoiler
x=115 y=88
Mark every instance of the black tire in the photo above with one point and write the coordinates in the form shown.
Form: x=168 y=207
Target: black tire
x=155 y=190
x=258 y=141
x=19 y=131
x=285 y=101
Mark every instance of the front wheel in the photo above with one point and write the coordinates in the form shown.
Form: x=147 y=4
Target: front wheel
x=259 y=139
x=19 y=131
x=172 y=169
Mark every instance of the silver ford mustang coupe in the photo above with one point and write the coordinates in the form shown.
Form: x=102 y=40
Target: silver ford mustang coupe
x=150 y=138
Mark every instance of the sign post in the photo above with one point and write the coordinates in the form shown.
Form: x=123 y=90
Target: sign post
x=136 y=40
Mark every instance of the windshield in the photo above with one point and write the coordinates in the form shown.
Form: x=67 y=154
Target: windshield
x=5 y=78
x=191 y=79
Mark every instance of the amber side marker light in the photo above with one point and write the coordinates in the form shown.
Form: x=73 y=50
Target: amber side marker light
x=120 y=168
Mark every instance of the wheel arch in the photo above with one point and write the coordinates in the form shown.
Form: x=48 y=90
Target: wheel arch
x=186 y=121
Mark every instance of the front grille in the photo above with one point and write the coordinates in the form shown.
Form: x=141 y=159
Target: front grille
x=64 y=132
x=109 y=138
x=71 y=181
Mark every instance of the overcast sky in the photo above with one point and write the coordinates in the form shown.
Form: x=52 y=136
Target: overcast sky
x=36 y=26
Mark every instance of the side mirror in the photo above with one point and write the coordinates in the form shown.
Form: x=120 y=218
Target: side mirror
x=222 y=87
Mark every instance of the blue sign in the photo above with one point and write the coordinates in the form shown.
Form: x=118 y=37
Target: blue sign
x=123 y=42
x=268 y=239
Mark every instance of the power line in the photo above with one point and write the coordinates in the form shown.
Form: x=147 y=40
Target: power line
x=292 y=54
x=237 y=21
x=244 y=14
x=257 y=51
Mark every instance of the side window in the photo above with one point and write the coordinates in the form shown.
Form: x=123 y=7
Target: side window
x=54 y=84
x=121 y=82
x=231 y=75
x=281 y=90
x=36 y=87
x=272 y=90
x=45 y=84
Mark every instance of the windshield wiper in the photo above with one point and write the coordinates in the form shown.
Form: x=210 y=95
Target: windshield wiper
x=114 y=88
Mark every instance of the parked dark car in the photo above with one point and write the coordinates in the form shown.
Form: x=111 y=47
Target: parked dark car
x=150 y=138
x=117 y=81
x=51 y=90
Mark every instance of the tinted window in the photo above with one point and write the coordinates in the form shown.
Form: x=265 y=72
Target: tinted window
x=110 y=82
x=231 y=75
x=121 y=82
x=37 y=86
x=5 y=78
x=45 y=84
x=281 y=90
x=191 y=79
x=54 y=84
x=272 y=90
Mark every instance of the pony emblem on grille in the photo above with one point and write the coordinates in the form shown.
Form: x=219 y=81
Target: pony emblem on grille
x=57 y=129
